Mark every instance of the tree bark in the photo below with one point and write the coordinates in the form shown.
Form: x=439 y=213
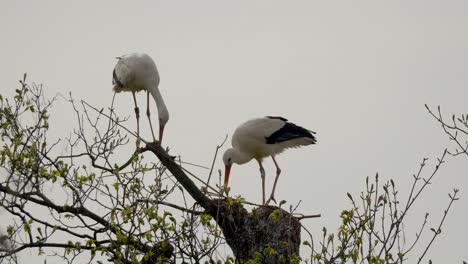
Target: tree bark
x=268 y=234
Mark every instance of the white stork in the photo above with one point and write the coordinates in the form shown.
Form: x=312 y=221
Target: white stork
x=136 y=72
x=262 y=137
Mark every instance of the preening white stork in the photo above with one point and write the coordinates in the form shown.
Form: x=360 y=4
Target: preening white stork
x=262 y=137
x=136 y=72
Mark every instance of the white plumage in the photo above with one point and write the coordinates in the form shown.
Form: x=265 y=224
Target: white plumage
x=136 y=72
x=262 y=137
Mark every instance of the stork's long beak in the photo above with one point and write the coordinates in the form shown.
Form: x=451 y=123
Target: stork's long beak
x=227 y=171
x=161 y=131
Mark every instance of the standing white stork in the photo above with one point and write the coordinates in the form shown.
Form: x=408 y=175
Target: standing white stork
x=262 y=137
x=136 y=72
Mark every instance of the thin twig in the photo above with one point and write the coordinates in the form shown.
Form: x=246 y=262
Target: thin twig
x=214 y=159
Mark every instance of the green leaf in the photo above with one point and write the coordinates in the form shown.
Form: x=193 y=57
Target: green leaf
x=10 y=230
x=27 y=227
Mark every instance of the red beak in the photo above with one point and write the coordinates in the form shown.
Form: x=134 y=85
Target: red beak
x=227 y=171
x=161 y=131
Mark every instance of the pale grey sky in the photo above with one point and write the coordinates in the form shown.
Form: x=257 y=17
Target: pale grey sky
x=357 y=72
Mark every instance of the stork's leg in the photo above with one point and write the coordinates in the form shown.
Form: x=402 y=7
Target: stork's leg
x=262 y=174
x=278 y=172
x=148 y=114
x=137 y=113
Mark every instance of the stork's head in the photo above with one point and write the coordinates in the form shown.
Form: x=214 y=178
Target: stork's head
x=228 y=158
x=231 y=156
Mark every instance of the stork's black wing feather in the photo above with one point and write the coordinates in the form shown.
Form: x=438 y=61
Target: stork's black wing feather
x=289 y=131
x=278 y=117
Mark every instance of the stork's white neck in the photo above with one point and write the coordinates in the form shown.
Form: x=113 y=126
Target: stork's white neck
x=239 y=157
x=162 y=109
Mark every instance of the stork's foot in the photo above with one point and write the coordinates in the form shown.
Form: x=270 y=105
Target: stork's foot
x=153 y=144
x=156 y=142
x=272 y=198
x=154 y=139
x=225 y=190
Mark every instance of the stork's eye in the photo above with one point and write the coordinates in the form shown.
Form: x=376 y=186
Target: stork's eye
x=230 y=160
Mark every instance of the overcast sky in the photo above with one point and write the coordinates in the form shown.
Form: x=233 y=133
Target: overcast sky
x=356 y=72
